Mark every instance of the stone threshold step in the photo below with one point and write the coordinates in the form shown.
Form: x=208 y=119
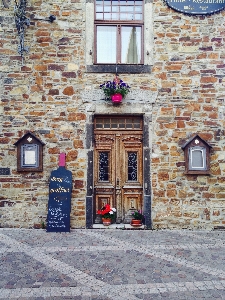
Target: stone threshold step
x=118 y=226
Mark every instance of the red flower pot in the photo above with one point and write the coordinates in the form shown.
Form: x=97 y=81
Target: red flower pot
x=106 y=221
x=136 y=222
x=116 y=98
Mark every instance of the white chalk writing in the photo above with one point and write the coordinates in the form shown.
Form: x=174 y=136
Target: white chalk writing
x=60 y=190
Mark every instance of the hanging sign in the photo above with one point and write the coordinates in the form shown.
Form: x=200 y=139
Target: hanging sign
x=197 y=7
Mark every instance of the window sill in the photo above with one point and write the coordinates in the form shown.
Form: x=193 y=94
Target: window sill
x=197 y=172
x=134 y=69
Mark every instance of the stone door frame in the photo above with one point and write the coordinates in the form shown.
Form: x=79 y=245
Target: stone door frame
x=138 y=102
x=146 y=176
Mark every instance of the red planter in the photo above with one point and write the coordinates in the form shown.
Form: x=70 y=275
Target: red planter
x=116 y=98
x=106 y=222
x=136 y=222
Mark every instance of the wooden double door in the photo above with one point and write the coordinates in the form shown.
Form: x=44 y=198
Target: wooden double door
x=118 y=165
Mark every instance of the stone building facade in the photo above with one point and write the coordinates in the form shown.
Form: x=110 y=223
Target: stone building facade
x=53 y=92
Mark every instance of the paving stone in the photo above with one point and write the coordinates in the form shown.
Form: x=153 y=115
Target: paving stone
x=112 y=264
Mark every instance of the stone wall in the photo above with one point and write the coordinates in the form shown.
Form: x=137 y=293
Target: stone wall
x=189 y=64
x=47 y=94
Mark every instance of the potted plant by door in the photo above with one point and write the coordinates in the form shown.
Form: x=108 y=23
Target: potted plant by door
x=115 y=90
x=108 y=214
x=137 y=218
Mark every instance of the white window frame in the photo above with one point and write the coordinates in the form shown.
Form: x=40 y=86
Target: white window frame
x=191 y=152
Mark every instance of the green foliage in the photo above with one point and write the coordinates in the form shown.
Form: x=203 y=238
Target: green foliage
x=137 y=215
x=43 y=225
x=107 y=212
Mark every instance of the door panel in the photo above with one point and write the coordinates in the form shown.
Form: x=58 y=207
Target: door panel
x=118 y=169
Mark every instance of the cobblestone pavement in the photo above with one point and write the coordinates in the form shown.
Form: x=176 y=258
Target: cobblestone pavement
x=112 y=264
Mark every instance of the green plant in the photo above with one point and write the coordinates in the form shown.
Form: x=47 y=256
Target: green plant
x=43 y=225
x=107 y=212
x=117 y=86
x=137 y=215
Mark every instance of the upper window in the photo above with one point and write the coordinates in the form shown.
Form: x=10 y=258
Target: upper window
x=119 y=32
x=118 y=123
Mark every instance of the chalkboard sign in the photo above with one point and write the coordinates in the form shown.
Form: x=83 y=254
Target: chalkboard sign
x=59 y=204
x=197 y=7
x=4 y=171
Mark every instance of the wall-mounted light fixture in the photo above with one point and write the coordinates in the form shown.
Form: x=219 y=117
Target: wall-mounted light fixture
x=50 y=19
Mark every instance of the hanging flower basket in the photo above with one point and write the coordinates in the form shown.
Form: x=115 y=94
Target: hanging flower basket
x=116 y=98
x=115 y=90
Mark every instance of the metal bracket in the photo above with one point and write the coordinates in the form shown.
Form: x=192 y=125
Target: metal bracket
x=50 y=19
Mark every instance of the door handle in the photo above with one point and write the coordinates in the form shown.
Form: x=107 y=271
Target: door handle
x=117 y=181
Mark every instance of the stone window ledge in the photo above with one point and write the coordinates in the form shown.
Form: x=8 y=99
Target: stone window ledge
x=130 y=69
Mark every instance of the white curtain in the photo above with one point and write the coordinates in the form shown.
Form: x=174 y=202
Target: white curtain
x=131 y=45
x=106 y=44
